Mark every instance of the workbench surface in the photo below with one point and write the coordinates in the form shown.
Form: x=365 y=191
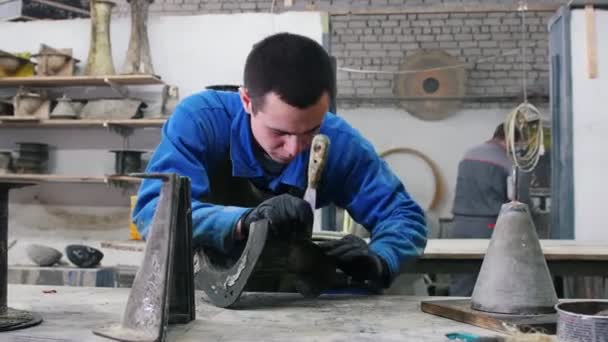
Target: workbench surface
x=72 y=312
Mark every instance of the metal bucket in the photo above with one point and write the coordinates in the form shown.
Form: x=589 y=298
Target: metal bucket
x=582 y=321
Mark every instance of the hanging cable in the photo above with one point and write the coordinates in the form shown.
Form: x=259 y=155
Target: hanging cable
x=523 y=7
x=523 y=125
x=524 y=122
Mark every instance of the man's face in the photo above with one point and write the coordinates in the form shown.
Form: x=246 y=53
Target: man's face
x=282 y=130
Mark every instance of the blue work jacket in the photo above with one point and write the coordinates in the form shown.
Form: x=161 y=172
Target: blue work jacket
x=211 y=126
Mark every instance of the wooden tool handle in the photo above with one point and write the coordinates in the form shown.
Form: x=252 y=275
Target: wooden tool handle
x=318 y=155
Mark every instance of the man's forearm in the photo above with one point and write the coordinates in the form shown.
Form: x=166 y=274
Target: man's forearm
x=214 y=225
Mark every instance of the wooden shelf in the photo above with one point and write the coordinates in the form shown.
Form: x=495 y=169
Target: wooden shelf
x=75 y=81
x=475 y=249
x=46 y=178
x=12 y=122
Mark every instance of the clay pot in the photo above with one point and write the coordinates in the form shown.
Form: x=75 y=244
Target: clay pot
x=9 y=64
x=55 y=62
x=43 y=255
x=29 y=102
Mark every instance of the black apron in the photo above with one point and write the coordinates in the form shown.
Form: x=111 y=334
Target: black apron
x=270 y=273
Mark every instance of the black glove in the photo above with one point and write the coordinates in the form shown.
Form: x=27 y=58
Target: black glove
x=354 y=257
x=314 y=271
x=288 y=217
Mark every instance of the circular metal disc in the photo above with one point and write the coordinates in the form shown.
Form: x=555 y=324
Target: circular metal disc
x=435 y=81
x=14 y=319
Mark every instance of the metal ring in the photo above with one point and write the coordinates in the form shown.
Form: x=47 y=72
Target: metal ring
x=438 y=193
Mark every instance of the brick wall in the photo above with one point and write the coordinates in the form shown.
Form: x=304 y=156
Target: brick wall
x=489 y=42
x=187 y=7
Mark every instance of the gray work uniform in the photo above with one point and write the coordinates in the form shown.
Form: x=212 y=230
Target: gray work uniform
x=481 y=189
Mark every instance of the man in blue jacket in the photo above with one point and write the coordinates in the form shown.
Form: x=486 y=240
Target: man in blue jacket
x=246 y=155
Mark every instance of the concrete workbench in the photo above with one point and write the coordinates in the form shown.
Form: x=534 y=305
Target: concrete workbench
x=72 y=312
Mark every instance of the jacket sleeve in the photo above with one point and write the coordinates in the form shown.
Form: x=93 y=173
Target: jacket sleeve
x=185 y=148
x=377 y=199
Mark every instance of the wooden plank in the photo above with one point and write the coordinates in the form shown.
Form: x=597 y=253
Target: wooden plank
x=48 y=178
x=591 y=41
x=75 y=81
x=464 y=8
x=474 y=249
x=132 y=246
x=460 y=310
x=11 y=122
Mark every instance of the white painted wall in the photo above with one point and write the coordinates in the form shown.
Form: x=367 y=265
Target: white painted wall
x=189 y=51
x=200 y=50
x=590 y=124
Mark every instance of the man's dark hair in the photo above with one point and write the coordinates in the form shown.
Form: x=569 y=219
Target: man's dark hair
x=499 y=133
x=295 y=67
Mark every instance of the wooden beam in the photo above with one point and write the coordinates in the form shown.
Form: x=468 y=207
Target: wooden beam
x=76 y=81
x=591 y=41
x=464 y=8
x=58 y=4
x=12 y=122
x=460 y=310
x=46 y=178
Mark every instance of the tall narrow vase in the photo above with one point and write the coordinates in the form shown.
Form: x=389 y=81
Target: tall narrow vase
x=139 y=60
x=100 y=61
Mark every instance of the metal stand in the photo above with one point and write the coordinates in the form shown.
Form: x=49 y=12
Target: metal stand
x=163 y=289
x=10 y=319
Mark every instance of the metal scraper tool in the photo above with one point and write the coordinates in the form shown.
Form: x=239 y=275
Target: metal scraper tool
x=316 y=163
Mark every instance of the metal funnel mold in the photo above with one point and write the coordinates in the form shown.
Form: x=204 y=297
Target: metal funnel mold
x=514 y=277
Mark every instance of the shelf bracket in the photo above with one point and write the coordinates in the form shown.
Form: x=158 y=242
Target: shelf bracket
x=122 y=184
x=123 y=130
x=120 y=89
